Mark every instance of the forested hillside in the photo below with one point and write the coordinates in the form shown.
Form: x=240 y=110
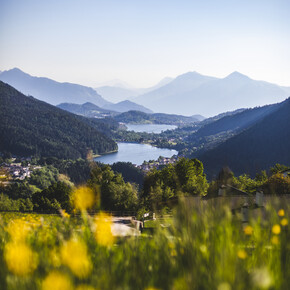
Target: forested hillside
x=32 y=127
x=237 y=121
x=138 y=117
x=87 y=109
x=262 y=145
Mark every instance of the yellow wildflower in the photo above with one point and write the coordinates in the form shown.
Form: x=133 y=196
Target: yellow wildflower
x=57 y=281
x=281 y=212
x=83 y=198
x=275 y=240
x=103 y=233
x=284 y=222
x=64 y=214
x=242 y=254
x=74 y=254
x=276 y=229
x=20 y=259
x=18 y=230
x=248 y=230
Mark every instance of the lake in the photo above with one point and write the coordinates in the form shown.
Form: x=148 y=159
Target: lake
x=135 y=153
x=150 y=128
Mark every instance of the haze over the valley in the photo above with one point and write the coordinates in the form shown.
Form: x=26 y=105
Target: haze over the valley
x=188 y=94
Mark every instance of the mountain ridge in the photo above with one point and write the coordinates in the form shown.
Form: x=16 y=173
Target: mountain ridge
x=211 y=96
x=49 y=90
x=118 y=93
x=125 y=106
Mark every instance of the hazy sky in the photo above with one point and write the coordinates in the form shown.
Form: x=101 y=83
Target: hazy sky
x=142 y=41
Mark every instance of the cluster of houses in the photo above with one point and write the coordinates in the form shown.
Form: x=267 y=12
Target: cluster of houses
x=158 y=164
x=15 y=171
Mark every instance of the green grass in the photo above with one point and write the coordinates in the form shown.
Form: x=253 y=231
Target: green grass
x=203 y=246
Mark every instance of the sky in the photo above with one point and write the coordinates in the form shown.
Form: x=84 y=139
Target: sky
x=142 y=41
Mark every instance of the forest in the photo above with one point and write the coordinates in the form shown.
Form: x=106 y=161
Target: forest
x=124 y=188
x=31 y=127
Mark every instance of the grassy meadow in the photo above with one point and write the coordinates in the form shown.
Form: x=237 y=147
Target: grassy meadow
x=203 y=246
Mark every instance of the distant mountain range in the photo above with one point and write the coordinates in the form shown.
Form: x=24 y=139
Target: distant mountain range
x=118 y=91
x=32 y=127
x=50 y=91
x=261 y=139
x=188 y=94
x=56 y=93
x=193 y=93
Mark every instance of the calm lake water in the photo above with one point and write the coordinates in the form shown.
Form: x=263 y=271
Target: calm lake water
x=150 y=128
x=135 y=153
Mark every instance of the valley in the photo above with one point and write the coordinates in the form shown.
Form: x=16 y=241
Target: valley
x=144 y=145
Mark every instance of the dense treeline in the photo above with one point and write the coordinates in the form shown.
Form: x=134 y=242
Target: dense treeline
x=51 y=187
x=31 y=127
x=114 y=193
x=129 y=172
x=186 y=177
x=78 y=171
x=276 y=182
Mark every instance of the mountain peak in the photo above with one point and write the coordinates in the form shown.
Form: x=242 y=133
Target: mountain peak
x=14 y=70
x=189 y=75
x=236 y=75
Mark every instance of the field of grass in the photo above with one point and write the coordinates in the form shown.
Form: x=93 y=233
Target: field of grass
x=203 y=246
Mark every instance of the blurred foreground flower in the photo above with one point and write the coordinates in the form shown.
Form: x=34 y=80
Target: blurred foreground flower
x=20 y=259
x=57 y=281
x=284 y=222
x=74 y=254
x=64 y=214
x=103 y=233
x=242 y=254
x=281 y=212
x=248 y=230
x=18 y=230
x=83 y=198
x=275 y=240
x=276 y=229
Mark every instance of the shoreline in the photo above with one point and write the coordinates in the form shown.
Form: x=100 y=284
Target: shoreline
x=99 y=155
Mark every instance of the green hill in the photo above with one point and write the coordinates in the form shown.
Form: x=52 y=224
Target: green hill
x=137 y=117
x=258 y=147
x=32 y=127
x=87 y=110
